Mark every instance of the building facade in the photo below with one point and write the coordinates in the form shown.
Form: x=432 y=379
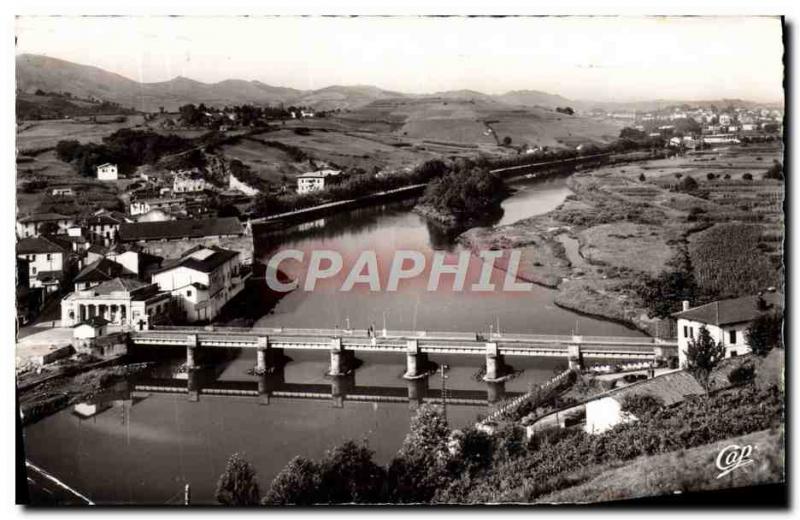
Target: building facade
x=727 y=322
x=314 y=181
x=44 y=224
x=107 y=172
x=48 y=259
x=203 y=280
x=122 y=302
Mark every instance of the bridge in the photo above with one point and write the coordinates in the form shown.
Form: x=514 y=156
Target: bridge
x=342 y=344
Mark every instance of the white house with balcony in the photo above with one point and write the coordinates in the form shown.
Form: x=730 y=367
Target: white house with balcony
x=107 y=172
x=727 y=321
x=203 y=280
x=315 y=181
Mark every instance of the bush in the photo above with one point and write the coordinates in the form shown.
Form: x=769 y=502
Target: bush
x=747 y=176
x=641 y=405
x=742 y=374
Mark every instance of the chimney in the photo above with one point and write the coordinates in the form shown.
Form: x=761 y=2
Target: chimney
x=685 y=305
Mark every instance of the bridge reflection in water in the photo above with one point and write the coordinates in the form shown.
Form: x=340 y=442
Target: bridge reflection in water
x=267 y=387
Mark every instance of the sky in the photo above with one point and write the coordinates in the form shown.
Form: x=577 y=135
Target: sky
x=589 y=58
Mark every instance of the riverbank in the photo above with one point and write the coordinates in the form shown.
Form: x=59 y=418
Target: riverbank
x=69 y=384
x=623 y=228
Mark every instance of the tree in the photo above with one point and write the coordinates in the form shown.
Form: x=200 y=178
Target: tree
x=765 y=333
x=238 y=485
x=48 y=228
x=747 y=176
x=421 y=465
x=642 y=178
x=347 y=474
x=507 y=141
x=296 y=484
x=703 y=354
x=66 y=150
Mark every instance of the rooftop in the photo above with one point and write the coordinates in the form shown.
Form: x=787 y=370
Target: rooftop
x=43 y=217
x=43 y=244
x=321 y=173
x=177 y=229
x=730 y=311
x=100 y=271
x=203 y=259
x=671 y=388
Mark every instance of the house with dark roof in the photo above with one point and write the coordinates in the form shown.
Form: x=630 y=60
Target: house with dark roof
x=181 y=229
x=98 y=272
x=48 y=258
x=203 y=280
x=726 y=320
x=38 y=224
x=123 y=302
x=599 y=413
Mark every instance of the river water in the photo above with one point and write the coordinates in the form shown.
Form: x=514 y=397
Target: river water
x=142 y=446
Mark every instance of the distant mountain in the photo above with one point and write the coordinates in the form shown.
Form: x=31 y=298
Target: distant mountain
x=532 y=98
x=35 y=72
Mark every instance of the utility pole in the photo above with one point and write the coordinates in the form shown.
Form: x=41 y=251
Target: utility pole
x=442 y=369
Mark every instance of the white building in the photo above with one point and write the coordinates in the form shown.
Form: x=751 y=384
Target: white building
x=313 y=181
x=188 y=181
x=107 y=172
x=203 y=280
x=123 y=302
x=47 y=258
x=38 y=224
x=104 y=225
x=171 y=205
x=606 y=411
x=726 y=320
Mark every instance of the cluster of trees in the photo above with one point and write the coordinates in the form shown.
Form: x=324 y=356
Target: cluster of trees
x=239 y=115
x=356 y=184
x=468 y=191
x=438 y=465
x=126 y=148
x=565 y=110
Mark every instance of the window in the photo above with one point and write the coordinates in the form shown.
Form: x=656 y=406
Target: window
x=732 y=336
x=33 y=270
x=189 y=293
x=685 y=331
x=49 y=256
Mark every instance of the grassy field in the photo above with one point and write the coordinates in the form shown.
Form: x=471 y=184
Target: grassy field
x=678 y=472
x=631 y=221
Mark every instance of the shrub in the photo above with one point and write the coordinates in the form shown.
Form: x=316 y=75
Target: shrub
x=741 y=375
x=747 y=176
x=641 y=405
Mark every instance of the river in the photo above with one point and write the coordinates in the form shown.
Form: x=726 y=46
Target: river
x=130 y=446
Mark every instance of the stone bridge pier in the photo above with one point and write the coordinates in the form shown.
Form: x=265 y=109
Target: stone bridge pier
x=342 y=360
x=192 y=346
x=495 y=391
x=267 y=383
x=340 y=386
x=495 y=364
x=416 y=361
x=575 y=356
x=193 y=386
x=417 y=388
